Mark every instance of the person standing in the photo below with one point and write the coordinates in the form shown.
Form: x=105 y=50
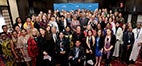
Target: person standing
x=62 y=50
x=83 y=21
x=44 y=56
x=99 y=42
x=28 y=24
x=128 y=39
x=74 y=23
x=119 y=36
x=23 y=46
x=19 y=58
x=109 y=42
x=19 y=22
x=32 y=46
x=6 y=50
x=90 y=42
x=138 y=40
x=53 y=23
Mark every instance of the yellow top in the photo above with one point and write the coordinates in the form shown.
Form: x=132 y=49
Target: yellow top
x=28 y=25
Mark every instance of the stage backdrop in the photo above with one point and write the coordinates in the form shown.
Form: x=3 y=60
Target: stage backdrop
x=75 y=6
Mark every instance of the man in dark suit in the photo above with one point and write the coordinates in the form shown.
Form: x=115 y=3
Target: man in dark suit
x=83 y=21
x=76 y=55
x=128 y=39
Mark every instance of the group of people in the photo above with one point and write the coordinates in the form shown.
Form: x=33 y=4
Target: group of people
x=61 y=38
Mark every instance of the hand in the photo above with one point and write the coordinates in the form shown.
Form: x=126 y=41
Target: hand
x=87 y=51
x=24 y=55
x=45 y=53
x=128 y=47
x=62 y=52
x=16 y=57
x=91 y=51
x=139 y=44
x=107 y=50
x=79 y=60
x=70 y=57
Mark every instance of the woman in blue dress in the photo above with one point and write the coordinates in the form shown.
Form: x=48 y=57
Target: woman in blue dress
x=99 y=47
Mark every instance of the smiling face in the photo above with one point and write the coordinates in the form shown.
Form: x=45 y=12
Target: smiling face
x=15 y=34
x=5 y=29
x=108 y=31
x=99 y=32
x=19 y=20
x=77 y=43
x=34 y=32
x=42 y=31
x=17 y=28
x=67 y=29
x=24 y=32
x=61 y=35
x=28 y=19
x=89 y=33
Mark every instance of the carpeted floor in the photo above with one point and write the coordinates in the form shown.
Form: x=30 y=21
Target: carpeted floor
x=119 y=63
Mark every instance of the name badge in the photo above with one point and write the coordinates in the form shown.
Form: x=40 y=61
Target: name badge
x=128 y=41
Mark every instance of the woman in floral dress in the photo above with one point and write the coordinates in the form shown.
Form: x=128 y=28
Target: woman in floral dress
x=16 y=51
x=23 y=46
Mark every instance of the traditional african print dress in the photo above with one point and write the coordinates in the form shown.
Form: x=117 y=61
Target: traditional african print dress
x=7 y=53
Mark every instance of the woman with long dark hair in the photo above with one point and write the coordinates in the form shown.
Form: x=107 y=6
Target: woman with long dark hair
x=109 y=42
x=19 y=22
x=90 y=42
x=44 y=55
x=19 y=58
x=62 y=49
x=22 y=45
x=99 y=43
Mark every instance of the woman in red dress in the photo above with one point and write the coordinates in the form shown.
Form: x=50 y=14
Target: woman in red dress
x=32 y=46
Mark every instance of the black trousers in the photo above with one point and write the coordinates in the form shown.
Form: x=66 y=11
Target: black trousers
x=126 y=54
x=74 y=63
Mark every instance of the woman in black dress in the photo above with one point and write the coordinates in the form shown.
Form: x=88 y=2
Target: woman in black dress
x=62 y=49
x=44 y=58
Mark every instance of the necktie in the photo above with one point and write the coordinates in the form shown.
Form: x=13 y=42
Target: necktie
x=138 y=31
x=77 y=53
x=54 y=37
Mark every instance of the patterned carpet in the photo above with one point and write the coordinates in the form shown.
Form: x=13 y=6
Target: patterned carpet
x=119 y=63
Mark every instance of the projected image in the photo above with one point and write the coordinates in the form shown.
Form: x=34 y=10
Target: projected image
x=75 y=6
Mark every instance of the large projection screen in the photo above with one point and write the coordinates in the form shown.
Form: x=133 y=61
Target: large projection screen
x=75 y=6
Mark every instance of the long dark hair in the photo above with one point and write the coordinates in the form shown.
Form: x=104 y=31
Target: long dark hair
x=102 y=34
x=17 y=20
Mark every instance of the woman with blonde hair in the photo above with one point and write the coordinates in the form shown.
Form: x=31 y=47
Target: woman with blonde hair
x=32 y=46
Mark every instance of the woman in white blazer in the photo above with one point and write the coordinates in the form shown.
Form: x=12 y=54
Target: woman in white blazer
x=119 y=36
